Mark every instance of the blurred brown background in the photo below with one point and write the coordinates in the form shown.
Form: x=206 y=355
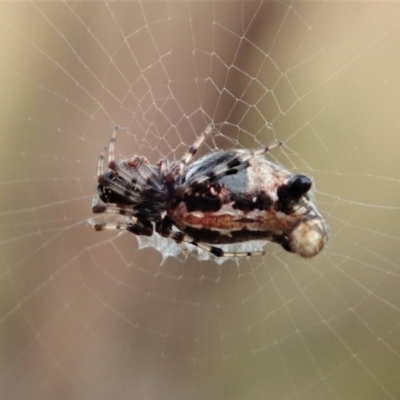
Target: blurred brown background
x=88 y=315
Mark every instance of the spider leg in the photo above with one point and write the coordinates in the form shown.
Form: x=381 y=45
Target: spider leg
x=111 y=163
x=164 y=228
x=178 y=168
x=144 y=174
x=111 y=146
x=138 y=175
x=147 y=174
x=100 y=162
x=140 y=227
x=195 y=146
x=163 y=167
x=98 y=207
x=239 y=162
x=117 y=188
x=114 y=166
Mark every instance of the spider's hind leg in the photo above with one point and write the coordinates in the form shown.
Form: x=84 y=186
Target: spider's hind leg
x=164 y=228
x=138 y=227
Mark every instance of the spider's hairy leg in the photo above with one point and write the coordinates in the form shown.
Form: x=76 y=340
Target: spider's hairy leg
x=237 y=163
x=139 y=227
x=112 y=164
x=136 y=173
x=218 y=252
x=178 y=169
x=112 y=187
x=111 y=146
x=98 y=207
x=132 y=178
x=163 y=167
x=144 y=174
x=100 y=161
x=266 y=149
x=147 y=175
x=140 y=172
x=164 y=228
x=196 y=145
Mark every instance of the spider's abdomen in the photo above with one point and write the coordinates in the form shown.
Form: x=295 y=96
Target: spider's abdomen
x=261 y=201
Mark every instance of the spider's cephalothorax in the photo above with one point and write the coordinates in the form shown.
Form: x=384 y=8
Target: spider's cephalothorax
x=224 y=197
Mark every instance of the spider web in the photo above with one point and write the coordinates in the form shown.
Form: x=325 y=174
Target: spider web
x=103 y=315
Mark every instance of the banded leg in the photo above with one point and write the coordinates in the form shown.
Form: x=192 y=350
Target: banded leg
x=98 y=207
x=111 y=163
x=100 y=161
x=178 y=169
x=144 y=228
x=111 y=146
x=110 y=149
x=111 y=154
x=164 y=228
x=139 y=174
x=233 y=166
x=140 y=162
x=111 y=187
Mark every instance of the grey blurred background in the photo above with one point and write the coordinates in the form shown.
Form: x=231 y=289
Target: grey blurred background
x=90 y=315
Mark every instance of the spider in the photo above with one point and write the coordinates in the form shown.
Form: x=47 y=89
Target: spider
x=227 y=196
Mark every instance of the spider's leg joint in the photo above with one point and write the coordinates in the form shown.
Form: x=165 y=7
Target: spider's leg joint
x=97 y=206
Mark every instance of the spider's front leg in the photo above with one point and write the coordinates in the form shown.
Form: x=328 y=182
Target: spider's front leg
x=99 y=207
x=178 y=168
x=235 y=162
